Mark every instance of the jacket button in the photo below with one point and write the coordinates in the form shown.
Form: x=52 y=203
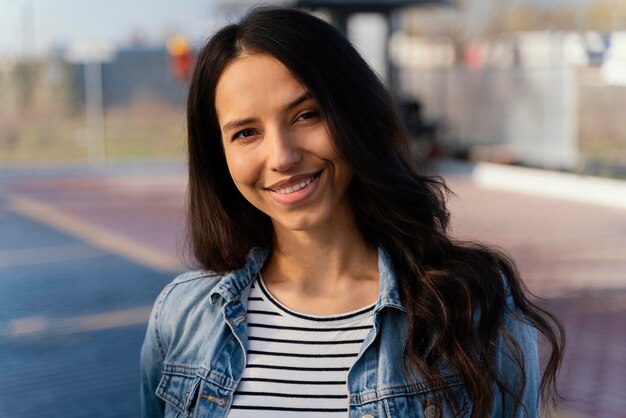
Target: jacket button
x=432 y=411
x=367 y=416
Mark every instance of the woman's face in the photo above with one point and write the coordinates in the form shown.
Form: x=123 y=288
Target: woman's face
x=277 y=146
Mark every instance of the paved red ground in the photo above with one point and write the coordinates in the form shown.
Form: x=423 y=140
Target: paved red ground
x=571 y=254
x=144 y=206
x=574 y=255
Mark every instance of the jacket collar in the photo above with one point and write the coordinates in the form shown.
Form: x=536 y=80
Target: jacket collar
x=389 y=293
x=232 y=285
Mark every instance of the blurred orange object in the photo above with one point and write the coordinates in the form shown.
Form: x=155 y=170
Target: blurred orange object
x=180 y=57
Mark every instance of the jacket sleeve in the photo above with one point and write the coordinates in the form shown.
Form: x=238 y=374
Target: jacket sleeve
x=152 y=355
x=525 y=336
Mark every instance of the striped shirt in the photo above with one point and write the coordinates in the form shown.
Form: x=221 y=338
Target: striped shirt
x=297 y=364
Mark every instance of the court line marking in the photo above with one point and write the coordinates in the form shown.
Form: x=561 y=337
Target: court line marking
x=49 y=254
x=97 y=236
x=42 y=326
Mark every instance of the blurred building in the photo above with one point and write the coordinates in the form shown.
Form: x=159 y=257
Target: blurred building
x=489 y=84
x=131 y=75
x=545 y=98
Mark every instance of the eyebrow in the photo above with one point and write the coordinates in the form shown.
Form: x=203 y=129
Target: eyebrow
x=302 y=98
x=243 y=122
x=238 y=123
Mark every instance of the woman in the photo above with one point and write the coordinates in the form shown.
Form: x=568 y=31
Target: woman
x=330 y=286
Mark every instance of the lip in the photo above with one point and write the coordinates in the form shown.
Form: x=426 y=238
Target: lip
x=291 y=181
x=297 y=196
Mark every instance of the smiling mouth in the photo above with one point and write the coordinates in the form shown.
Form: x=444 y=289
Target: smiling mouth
x=298 y=186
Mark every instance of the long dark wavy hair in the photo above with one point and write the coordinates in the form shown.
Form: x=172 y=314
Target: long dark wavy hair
x=443 y=283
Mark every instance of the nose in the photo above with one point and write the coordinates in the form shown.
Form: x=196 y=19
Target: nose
x=282 y=150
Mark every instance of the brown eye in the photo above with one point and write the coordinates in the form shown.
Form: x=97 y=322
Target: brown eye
x=312 y=114
x=246 y=133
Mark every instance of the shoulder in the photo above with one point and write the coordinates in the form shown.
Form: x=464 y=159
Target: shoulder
x=191 y=281
x=206 y=277
x=200 y=287
x=181 y=316
x=184 y=298
x=187 y=288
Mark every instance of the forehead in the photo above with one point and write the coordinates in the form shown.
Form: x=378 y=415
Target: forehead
x=254 y=84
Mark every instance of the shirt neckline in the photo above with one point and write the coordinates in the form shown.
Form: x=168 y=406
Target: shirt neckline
x=354 y=315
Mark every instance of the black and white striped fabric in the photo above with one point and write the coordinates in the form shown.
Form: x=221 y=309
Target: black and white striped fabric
x=297 y=364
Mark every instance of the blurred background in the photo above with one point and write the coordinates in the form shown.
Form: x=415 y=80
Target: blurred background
x=519 y=104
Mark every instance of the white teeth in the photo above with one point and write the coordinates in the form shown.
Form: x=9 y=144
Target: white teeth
x=295 y=187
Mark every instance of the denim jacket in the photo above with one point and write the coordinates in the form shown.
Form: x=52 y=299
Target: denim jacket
x=194 y=354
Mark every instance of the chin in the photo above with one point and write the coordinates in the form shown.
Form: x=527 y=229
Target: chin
x=299 y=225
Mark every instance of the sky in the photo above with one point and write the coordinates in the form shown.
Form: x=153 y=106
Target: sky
x=38 y=26
x=35 y=27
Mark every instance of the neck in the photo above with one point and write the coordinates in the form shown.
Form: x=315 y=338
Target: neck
x=321 y=261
